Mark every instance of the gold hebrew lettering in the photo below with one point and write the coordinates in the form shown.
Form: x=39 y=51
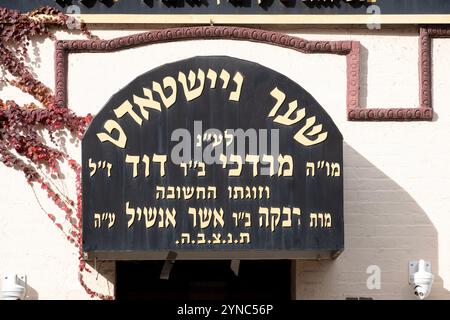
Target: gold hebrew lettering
x=286 y=223
x=201 y=168
x=202 y=191
x=130 y=211
x=228 y=138
x=193 y=213
x=146 y=161
x=218 y=217
x=97 y=220
x=190 y=92
x=285 y=118
x=169 y=100
x=170 y=218
x=261 y=190
x=93 y=167
x=313 y=220
x=240 y=190
x=150 y=217
x=146 y=103
x=205 y=217
x=247 y=218
x=111 y=219
x=188 y=192
x=302 y=139
x=254 y=159
x=185 y=168
x=160 y=192
x=282 y=160
x=212 y=192
x=235 y=216
x=225 y=77
x=275 y=214
x=327 y=164
x=263 y=214
x=185 y=238
x=161 y=159
x=310 y=169
x=244 y=237
x=248 y=193
x=135 y=161
x=327 y=220
x=201 y=238
x=161 y=218
x=139 y=213
x=238 y=79
x=223 y=159
x=109 y=126
x=217 y=139
x=297 y=212
x=170 y=192
x=126 y=107
x=236 y=172
x=268 y=159
x=320 y=217
x=109 y=166
x=280 y=97
x=335 y=169
x=216 y=238
x=212 y=76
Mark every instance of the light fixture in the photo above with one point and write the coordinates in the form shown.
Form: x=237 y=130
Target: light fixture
x=421 y=278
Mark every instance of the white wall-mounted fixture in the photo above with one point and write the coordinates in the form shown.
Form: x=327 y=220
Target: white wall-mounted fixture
x=13 y=286
x=421 y=278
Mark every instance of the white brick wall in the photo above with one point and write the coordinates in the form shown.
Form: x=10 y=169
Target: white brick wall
x=397 y=201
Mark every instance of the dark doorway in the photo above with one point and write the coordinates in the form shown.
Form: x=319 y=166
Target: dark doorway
x=204 y=280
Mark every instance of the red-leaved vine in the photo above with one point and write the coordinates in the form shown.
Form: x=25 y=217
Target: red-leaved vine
x=22 y=145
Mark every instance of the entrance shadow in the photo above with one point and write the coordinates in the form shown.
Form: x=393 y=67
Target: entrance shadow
x=204 y=280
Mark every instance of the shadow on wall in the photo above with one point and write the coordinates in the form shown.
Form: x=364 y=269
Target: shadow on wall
x=384 y=227
x=31 y=293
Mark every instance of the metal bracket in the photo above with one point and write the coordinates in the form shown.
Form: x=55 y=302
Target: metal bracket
x=168 y=264
x=413 y=268
x=235 y=266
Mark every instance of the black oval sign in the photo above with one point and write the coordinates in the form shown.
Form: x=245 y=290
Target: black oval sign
x=212 y=153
